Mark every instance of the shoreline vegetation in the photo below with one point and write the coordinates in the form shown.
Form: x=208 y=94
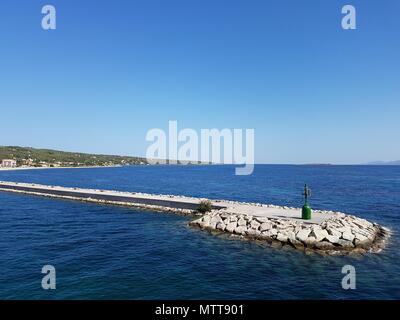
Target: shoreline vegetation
x=32 y=158
x=27 y=157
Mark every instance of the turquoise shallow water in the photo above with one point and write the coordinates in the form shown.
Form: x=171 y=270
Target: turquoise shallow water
x=120 y=253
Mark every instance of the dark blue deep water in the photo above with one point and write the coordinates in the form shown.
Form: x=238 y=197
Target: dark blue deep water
x=111 y=252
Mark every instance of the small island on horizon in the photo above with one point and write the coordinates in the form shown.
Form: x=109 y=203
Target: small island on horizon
x=383 y=163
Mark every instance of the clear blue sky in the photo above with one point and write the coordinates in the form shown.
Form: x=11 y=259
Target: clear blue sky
x=112 y=70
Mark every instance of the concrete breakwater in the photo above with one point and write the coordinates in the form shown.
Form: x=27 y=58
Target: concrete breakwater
x=171 y=203
x=327 y=232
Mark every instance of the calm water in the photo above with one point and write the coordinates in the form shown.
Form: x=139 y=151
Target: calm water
x=114 y=252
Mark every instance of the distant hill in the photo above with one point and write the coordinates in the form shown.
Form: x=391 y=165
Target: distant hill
x=53 y=158
x=384 y=163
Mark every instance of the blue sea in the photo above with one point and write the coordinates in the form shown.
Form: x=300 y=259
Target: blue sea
x=111 y=252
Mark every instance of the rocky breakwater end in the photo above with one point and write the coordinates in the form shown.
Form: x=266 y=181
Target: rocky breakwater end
x=340 y=234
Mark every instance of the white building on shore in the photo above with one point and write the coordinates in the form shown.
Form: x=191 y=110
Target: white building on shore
x=8 y=163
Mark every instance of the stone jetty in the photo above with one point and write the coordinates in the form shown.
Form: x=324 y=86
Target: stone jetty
x=327 y=232
x=338 y=234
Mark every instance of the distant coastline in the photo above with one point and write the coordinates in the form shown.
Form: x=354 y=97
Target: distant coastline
x=41 y=168
x=28 y=158
x=31 y=157
x=16 y=157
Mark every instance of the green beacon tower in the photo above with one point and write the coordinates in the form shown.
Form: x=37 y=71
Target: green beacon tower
x=306 y=210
